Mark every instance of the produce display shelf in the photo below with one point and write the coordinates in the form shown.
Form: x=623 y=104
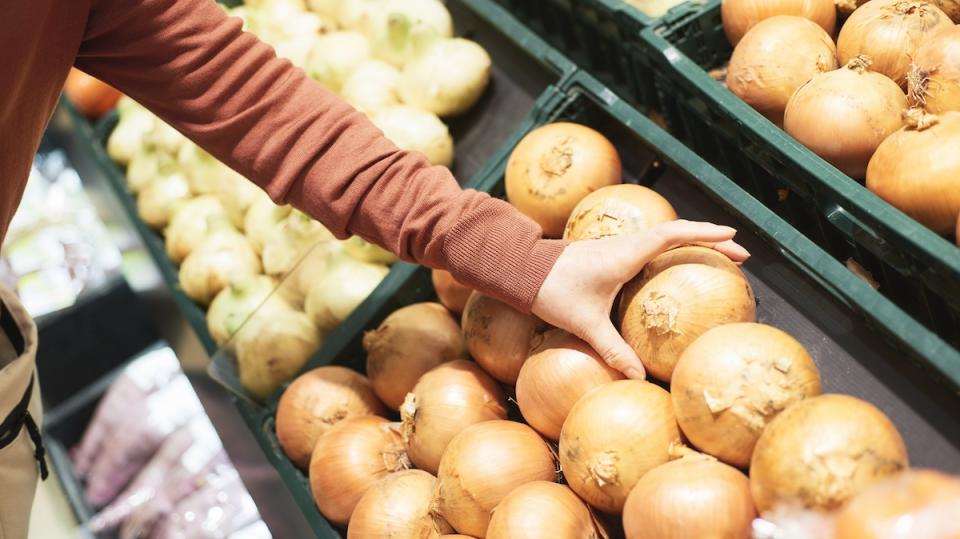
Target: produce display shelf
x=858 y=339
x=914 y=267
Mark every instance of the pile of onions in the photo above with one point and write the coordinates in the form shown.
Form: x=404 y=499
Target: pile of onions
x=450 y=292
x=272 y=346
x=157 y=198
x=822 y=451
x=935 y=76
x=343 y=285
x=775 y=58
x=398 y=505
x=482 y=465
x=916 y=503
x=499 y=337
x=557 y=373
x=408 y=343
x=844 y=115
x=261 y=218
x=91 y=97
x=234 y=304
x=889 y=32
x=690 y=498
x=676 y=298
x=617 y=210
x=554 y=167
x=916 y=170
x=316 y=401
x=739 y=16
x=445 y=401
x=191 y=223
x=347 y=460
x=613 y=436
x=735 y=379
x=542 y=509
x=219 y=259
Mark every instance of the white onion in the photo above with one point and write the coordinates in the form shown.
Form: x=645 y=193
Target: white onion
x=416 y=130
x=402 y=29
x=236 y=303
x=364 y=251
x=289 y=240
x=372 y=86
x=272 y=346
x=335 y=55
x=261 y=217
x=341 y=288
x=448 y=78
x=157 y=199
x=218 y=260
x=191 y=223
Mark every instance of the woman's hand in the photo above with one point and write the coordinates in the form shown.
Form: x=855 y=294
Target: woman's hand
x=579 y=291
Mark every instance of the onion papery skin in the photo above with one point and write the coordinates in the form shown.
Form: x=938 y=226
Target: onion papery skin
x=617 y=210
x=316 y=401
x=889 y=32
x=935 y=81
x=662 y=313
x=917 y=170
x=613 y=436
x=408 y=343
x=347 y=460
x=732 y=381
x=776 y=57
x=482 y=465
x=916 y=503
x=446 y=400
x=690 y=498
x=499 y=337
x=951 y=8
x=450 y=292
x=542 y=510
x=557 y=373
x=844 y=115
x=554 y=167
x=398 y=505
x=821 y=451
x=739 y=16
x=688 y=254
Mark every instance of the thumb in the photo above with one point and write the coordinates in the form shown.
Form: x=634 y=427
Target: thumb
x=605 y=339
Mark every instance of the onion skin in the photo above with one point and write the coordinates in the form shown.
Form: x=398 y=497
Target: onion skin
x=317 y=400
x=554 y=167
x=935 y=79
x=617 y=210
x=482 y=465
x=822 y=451
x=951 y=8
x=347 y=460
x=844 y=115
x=667 y=307
x=541 y=510
x=732 y=381
x=613 y=436
x=398 y=506
x=917 y=170
x=445 y=401
x=498 y=337
x=557 y=373
x=889 y=32
x=450 y=292
x=776 y=57
x=916 y=503
x=739 y=16
x=408 y=343
x=690 y=498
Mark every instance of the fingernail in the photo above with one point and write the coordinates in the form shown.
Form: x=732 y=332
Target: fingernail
x=730 y=229
x=634 y=373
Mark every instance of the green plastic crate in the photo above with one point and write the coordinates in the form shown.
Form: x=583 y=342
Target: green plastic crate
x=915 y=268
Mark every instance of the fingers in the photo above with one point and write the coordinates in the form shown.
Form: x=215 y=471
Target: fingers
x=733 y=250
x=680 y=232
x=614 y=350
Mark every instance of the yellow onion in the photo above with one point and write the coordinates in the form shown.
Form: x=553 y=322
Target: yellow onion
x=690 y=498
x=347 y=460
x=218 y=260
x=557 y=373
x=498 y=337
x=917 y=169
x=617 y=210
x=889 y=32
x=776 y=57
x=542 y=510
x=398 y=505
x=450 y=292
x=191 y=222
x=446 y=400
x=316 y=401
x=408 y=343
x=916 y=503
x=846 y=7
x=739 y=16
x=613 y=436
x=482 y=465
x=934 y=77
x=554 y=167
x=843 y=115
x=272 y=347
x=732 y=381
x=676 y=298
x=821 y=451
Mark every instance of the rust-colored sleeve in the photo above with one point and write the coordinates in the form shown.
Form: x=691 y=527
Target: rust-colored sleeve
x=195 y=68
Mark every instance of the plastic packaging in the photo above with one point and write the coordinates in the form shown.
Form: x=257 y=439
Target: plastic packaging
x=257 y=530
x=220 y=508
